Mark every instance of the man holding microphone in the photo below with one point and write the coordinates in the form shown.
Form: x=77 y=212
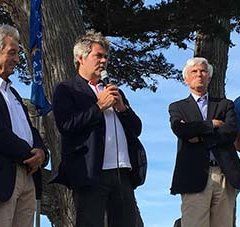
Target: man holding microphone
x=99 y=132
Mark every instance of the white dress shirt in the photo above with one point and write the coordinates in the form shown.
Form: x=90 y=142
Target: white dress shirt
x=116 y=148
x=20 y=125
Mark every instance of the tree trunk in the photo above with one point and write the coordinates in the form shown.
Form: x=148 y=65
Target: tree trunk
x=62 y=24
x=216 y=51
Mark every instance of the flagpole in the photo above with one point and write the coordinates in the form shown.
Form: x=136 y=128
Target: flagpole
x=38 y=212
x=38 y=207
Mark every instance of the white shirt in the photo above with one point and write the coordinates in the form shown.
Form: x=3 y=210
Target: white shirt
x=202 y=102
x=18 y=118
x=196 y=97
x=116 y=148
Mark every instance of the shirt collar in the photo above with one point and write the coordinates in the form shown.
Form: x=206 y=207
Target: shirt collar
x=5 y=84
x=196 y=97
x=95 y=84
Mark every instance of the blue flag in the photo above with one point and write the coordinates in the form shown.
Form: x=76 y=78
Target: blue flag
x=38 y=97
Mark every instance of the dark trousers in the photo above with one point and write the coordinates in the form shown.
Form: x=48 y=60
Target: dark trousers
x=114 y=193
x=111 y=217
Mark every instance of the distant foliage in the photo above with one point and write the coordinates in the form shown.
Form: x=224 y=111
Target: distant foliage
x=5 y=17
x=22 y=67
x=143 y=32
x=139 y=34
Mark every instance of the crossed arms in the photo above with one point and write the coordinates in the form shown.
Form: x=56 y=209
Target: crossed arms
x=212 y=132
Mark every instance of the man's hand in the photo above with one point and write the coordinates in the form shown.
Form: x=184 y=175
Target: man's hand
x=35 y=161
x=108 y=97
x=119 y=105
x=217 y=123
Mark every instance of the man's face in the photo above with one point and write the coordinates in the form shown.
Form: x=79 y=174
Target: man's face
x=92 y=65
x=198 y=78
x=8 y=57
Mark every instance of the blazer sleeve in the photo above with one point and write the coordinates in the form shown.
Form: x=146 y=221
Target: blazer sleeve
x=37 y=140
x=187 y=129
x=69 y=119
x=17 y=149
x=12 y=146
x=225 y=134
x=38 y=143
x=129 y=119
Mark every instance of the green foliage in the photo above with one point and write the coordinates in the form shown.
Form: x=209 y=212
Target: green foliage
x=22 y=67
x=136 y=65
x=5 y=17
x=141 y=33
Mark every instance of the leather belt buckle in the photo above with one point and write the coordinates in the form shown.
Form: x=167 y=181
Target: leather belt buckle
x=213 y=163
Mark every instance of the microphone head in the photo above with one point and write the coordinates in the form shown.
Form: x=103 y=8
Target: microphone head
x=105 y=77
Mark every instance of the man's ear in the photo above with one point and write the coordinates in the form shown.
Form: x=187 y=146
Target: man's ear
x=209 y=79
x=80 y=59
x=186 y=81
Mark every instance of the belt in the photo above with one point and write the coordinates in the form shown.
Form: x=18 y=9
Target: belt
x=213 y=163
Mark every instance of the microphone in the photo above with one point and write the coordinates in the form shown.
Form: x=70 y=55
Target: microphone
x=104 y=77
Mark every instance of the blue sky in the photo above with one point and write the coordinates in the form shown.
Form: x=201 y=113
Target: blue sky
x=157 y=206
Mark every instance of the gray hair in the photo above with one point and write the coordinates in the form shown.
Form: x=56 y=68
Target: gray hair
x=197 y=61
x=83 y=45
x=7 y=30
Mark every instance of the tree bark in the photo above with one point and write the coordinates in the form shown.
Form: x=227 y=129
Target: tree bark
x=216 y=51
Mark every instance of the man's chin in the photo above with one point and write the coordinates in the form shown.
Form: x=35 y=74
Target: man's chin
x=201 y=89
x=201 y=86
x=96 y=76
x=10 y=72
x=6 y=74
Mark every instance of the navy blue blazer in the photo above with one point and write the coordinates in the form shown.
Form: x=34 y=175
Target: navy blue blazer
x=192 y=162
x=14 y=150
x=82 y=128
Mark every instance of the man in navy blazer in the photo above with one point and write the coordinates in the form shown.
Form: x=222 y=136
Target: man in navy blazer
x=207 y=169
x=21 y=148
x=99 y=133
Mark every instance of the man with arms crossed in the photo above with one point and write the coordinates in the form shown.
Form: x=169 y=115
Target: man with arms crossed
x=21 y=149
x=98 y=130
x=207 y=169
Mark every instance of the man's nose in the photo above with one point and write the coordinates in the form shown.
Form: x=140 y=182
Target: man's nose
x=199 y=73
x=104 y=59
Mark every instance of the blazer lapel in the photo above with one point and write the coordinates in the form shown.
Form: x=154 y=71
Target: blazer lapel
x=212 y=106
x=192 y=108
x=80 y=84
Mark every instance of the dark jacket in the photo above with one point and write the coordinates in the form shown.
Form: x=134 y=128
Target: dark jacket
x=15 y=150
x=192 y=162
x=82 y=128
